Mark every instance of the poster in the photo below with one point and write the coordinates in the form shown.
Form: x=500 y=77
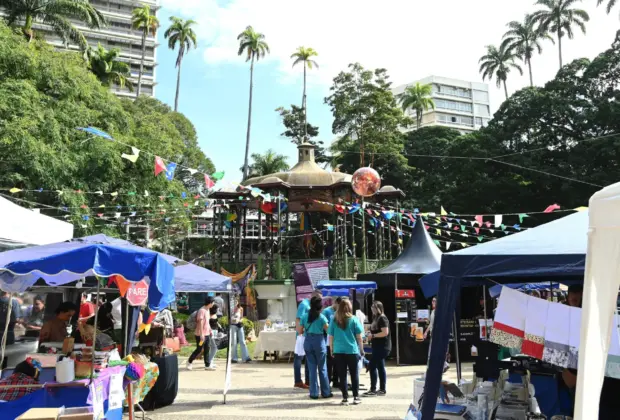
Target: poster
x=469 y=331
x=116 y=394
x=402 y=309
x=422 y=315
x=307 y=275
x=96 y=396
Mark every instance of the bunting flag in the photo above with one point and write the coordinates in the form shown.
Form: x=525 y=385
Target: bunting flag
x=14 y=190
x=170 y=171
x=218 y=175
x=522 y=216
x=498 y=219
x=208 y=182
x=133 y=157
x=479 y=220
x=146 y=325
x=581 y=209
x=160 y=166
x=96 y=132
x=552 y=208
x=192 y=171
x=443 y=211
x=121 y=283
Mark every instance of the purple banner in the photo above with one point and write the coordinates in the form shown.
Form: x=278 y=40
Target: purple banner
x=307 y=275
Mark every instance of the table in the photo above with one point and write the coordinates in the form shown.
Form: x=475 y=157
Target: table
x=275 y=342
x=165 y=390
x=72 y=396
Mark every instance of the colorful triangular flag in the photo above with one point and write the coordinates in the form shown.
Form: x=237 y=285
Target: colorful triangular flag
x=210 y=184
x=170 y=171
x=133 y=157
x=160 y=166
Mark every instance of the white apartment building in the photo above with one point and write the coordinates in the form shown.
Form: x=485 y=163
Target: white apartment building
x=118 y=34
x=461 y=105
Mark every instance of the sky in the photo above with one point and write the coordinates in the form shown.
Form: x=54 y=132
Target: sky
x=412 y=39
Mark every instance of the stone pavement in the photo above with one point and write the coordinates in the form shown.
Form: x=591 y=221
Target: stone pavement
x=264 y=391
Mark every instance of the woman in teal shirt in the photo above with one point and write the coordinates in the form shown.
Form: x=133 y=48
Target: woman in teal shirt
x=313 y=325
x=345 y=342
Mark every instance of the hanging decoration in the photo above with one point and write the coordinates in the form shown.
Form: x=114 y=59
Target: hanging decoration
x=133 y=158
x=96 y=132
x=170 y=171
x=160 y=166
x=208 y=182
x=365 y=182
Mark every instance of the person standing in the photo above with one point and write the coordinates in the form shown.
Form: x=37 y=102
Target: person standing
x=87 y=309
x=302 y=309
x=332 y=374
x=381 y=347
x=203 y=334
x=34 y=321
x=345 y=341
x=237 y=333
x=313 y=326
x=55 y=330
x=15 y=315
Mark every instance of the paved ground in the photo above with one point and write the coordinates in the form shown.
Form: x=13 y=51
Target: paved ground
x=264 y=391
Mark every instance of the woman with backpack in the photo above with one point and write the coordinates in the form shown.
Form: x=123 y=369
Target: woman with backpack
x=345 y=342
x=203 y=334
x=313 y=325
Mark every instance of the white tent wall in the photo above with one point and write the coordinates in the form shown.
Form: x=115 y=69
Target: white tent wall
x=602 y=279
x=27 y=227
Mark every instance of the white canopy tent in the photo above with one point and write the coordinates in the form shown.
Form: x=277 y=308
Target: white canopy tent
x=602 y=279
x=20 y=226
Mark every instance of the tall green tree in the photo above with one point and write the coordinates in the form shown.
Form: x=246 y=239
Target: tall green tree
x=367 y=121
x=418 y=98
x=144 y=20
x=524 y=38
x=268 y=163
x=180 y=33
x=559 y=17
x=252 y=44
x=299 y=131
x=109 y=70
x=498 y=63
x=610 y=4
x=304 y=55
x=58 y=14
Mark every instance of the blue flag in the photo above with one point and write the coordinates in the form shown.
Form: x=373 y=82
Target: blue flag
x=170 y=170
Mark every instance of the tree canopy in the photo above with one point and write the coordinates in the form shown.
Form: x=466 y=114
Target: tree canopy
x=44 y=96
x=293 y=120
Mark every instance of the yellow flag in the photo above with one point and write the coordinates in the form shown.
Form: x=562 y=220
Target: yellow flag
x=581 y=209
x=133 y=157
x=443 y=211
x=14 y=190
x=438 y=231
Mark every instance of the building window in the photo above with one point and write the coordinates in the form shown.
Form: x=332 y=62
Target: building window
x=451 y=91
x=481 y=96
x=455 y=119
x=453 y=105
x=482 y=110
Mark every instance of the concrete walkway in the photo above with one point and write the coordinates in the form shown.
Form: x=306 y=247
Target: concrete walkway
x=265 y=391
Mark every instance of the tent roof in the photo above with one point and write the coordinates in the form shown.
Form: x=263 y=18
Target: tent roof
x=420 y=256
x=27 y=227
x=187 y=277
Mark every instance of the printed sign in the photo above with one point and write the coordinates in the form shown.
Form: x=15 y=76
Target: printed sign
x=137 y=293
x=307 y=275
x=116 y=394
x=404 y=294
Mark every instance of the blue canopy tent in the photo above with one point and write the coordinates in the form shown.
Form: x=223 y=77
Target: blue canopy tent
x=552 y=252
x=343 y=287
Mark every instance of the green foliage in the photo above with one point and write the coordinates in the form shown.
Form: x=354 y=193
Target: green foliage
x=498 y=62
x=368 y=121
x=181 y=34
x=418 y=98
x=44 y=96
x=109 y=70
x=268 y=163
x=147 y=22
x=58 y=14
x=293 y=120
x=304 y=55
x=252 y=44
x=247 y=324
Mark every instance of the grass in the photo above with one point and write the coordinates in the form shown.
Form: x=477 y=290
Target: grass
x=221 y=354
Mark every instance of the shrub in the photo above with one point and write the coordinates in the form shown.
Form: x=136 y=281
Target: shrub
x=247 y=324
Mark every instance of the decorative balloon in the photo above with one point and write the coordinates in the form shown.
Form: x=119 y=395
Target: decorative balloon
x=366 y=182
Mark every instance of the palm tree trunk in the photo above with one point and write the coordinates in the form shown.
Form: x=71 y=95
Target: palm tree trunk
x=139 y=90
x=529 y=65
x=305 y=105
x=505 y=89
x=27 y=29
x=560 y=48
x=418 y=118
x=247 y=138
x=176 y=97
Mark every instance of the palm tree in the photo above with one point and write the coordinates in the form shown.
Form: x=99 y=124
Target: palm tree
x=105 y=65
x=610 y=4
x=304 y=55
x=418 y=98
x=498 y=62
x=143 y=20
x=253 y=45
x=180 y=32
x=55 y=13
x=524 y=38
x=268 y=163
x=559 y=17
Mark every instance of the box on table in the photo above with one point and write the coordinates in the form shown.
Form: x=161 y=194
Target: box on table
x=40 y=414
x=77 y=413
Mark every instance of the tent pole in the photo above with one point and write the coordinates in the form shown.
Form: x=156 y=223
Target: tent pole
x=92 y=362
x=484 y=296
x=6 y=330
x=396 y=319
x=456 y=349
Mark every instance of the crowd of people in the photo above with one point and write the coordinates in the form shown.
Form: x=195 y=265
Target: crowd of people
x=334 y=348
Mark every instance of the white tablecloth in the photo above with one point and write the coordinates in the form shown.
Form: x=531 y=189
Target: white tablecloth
x=272 y=341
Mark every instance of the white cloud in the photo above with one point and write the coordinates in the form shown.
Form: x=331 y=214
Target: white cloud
x=411 y=38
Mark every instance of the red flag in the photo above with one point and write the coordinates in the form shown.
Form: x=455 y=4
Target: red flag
x=411 y=217
x=479 y=220
x=477 y=230
x=160 y=166
x=552 y=208
x=208 y=182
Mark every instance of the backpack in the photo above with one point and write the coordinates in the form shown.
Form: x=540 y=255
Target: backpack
x=190 y=323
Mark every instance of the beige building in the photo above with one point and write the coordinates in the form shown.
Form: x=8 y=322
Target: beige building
x=461 y=105
x=119 y=34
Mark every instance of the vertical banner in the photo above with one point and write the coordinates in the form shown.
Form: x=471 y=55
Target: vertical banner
x=227 y=380
x=307 y=275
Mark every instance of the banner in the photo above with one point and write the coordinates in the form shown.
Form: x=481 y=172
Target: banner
x=307 y=275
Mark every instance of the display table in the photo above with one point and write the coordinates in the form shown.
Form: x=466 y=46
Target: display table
x=104 y=394
x=275 y=342
x=166 y=388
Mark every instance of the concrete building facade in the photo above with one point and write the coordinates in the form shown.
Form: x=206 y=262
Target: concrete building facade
x=461 y=105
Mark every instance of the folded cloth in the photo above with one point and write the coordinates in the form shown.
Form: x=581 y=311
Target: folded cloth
x=612 y=368
x=535 y=321
x=509 y=324
x=557 y=333
x=299 y=346
x=574 y=338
